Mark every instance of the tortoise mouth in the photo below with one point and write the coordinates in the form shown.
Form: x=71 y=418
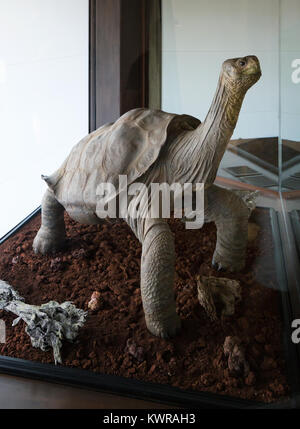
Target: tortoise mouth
x=253 y=71
x=255 y=76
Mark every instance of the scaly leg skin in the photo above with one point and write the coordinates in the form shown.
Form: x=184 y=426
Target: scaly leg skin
x=157 y=276
x=230 y=214
x=52 y=234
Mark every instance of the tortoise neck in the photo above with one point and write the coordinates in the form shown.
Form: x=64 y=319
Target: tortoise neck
x=217 y=129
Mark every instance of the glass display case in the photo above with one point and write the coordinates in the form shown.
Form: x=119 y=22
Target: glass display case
x=165 y=55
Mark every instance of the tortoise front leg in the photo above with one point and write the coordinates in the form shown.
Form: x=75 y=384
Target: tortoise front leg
x=52 y=234
x=157 y=276
x=230 y=214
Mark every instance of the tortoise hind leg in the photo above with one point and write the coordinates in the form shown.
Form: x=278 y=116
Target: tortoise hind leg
x=157 y=276
x=52 y=234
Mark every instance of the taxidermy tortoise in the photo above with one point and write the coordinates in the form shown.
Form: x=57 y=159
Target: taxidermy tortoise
x=152 y=146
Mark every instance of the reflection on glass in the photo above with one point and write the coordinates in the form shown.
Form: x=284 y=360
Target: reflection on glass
x=197 y=37
x=264 y=151
x=290 y=94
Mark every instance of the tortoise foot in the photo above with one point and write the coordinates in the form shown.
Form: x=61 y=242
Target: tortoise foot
x=166 y=328
x=47 y=242
x=229 y=264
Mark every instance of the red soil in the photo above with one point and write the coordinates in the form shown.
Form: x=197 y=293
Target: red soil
x=115 y=339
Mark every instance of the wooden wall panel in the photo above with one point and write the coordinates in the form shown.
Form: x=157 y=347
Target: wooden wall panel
x=120 y=39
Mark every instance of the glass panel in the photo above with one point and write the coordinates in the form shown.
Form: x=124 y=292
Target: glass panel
x=197 y=37
x=290 y=141
x=290 y=95
x=44 y=96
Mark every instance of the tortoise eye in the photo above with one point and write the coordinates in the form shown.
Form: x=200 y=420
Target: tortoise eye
x=242 y=63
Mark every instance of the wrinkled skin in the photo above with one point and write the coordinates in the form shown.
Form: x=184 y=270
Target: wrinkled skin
x=154 y=146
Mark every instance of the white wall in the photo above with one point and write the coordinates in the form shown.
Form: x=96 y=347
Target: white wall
x=43 y=96
x=290 y=50
x=198 y=35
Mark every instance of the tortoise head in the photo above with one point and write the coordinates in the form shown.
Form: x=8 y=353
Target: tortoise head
x=241 y=73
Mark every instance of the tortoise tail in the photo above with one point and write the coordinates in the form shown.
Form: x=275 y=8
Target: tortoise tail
x=51 y=180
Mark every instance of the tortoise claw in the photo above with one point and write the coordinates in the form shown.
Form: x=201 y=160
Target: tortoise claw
x=217 y=266
x=232 y=266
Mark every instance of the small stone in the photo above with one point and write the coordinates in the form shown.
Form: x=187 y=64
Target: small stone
x=255 y=351
x=243 y=323
x=250 y=379
x=40 y=279
x=220 y=387
x=218 y=362
x=136 y=351
x=269 y=349
x=142 y=367
x=56 y=264
x=25 y=246
x=152 y=369
x=268 y=364
x=94 y=303
x=237 y=363
x=260 y=338
x=126 y=362
x=15 y=260
x=207 y=379
x=277 y=388
x=201 y=342
x=86 y=363
x=79 y=253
